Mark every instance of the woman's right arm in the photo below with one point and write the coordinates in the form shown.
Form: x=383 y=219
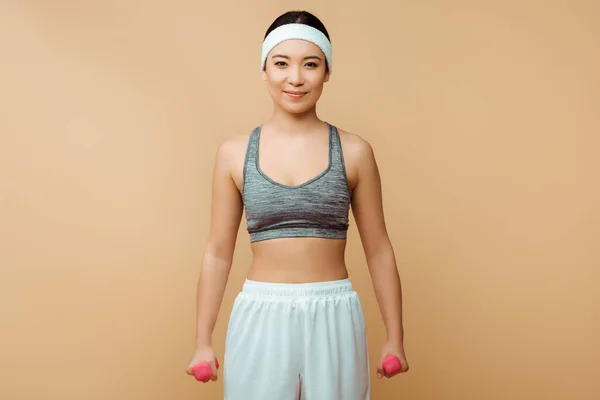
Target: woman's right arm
x=226 y=213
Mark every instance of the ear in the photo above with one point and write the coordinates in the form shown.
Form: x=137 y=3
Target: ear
x=263 y=74
x=326 y=77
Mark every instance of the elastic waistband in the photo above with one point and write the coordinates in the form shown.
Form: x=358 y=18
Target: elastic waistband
x=297 y=289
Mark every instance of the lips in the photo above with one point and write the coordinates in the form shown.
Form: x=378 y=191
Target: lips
x=295 y=95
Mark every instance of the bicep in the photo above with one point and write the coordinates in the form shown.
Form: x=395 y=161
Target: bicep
x=367 y=205
x=226 y=207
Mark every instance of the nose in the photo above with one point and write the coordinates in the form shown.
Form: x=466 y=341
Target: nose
x=295 y=77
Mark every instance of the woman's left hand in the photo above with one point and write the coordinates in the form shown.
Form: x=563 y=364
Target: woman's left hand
x=392 y=349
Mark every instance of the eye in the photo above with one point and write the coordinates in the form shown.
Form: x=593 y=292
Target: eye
x=312 y=64
x=280 y=63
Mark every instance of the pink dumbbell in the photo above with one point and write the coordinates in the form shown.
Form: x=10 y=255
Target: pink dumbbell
x=202 y=371
x=391 y=365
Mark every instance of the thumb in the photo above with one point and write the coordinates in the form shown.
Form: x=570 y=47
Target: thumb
x=189 y=370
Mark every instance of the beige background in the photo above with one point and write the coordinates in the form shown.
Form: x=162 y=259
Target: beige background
x=485 y=120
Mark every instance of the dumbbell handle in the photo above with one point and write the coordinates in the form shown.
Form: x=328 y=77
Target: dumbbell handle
x=202 y=371
x=391 y=364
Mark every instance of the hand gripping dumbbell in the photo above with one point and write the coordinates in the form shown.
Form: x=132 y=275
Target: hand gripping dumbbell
x=391 y=365
x=202 y=371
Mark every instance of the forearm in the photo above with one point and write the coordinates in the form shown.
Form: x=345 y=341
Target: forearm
x=211 y=287
x=388 y=291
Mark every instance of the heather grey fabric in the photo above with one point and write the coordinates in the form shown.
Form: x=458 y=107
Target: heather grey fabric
x=316 y=208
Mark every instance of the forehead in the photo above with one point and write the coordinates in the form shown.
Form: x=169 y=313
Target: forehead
x=297 y=47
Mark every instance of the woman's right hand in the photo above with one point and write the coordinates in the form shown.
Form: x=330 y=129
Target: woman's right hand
x=203 y=354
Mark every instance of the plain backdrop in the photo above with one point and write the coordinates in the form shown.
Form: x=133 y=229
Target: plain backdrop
x=485 y=120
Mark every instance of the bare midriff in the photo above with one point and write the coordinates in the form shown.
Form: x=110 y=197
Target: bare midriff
x=298 y=260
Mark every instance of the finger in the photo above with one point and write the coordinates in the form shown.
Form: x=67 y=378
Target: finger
x=215 y=373
x=380 y=370
x=189 y=370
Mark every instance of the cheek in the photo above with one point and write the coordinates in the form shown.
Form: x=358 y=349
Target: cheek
x=317 y=82
x=275 y=80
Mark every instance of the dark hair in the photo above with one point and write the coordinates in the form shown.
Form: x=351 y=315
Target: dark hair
x=298 y=17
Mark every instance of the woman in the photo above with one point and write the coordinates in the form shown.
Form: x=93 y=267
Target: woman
x=297 y=328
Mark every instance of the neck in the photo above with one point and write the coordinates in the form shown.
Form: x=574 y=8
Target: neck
x=285 y=122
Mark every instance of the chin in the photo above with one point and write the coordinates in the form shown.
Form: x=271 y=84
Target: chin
x=296 y=110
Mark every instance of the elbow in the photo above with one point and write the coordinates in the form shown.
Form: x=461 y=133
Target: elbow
x=382 y=262
x=218 y=253
x=379 y=250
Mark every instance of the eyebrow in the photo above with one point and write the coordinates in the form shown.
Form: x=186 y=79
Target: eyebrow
x=287 y=57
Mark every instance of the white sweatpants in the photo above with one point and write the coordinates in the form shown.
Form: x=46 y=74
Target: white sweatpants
x=296 y=342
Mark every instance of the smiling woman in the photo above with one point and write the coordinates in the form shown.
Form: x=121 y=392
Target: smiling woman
x=297 y=329
x=296 y=60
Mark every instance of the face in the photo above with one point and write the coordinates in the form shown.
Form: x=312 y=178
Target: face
x=295 y=71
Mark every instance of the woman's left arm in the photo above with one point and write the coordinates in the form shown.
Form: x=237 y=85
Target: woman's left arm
x=367 y=208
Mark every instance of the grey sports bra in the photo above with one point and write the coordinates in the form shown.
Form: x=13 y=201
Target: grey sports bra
x=316 y=208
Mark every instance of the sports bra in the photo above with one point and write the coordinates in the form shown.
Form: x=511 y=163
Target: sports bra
x=316 y=208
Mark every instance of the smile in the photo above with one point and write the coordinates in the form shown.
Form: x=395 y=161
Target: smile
x=295 y=95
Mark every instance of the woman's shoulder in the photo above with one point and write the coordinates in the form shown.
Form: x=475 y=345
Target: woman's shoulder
x=232 y=146
x=354 y=145
x=231 y=153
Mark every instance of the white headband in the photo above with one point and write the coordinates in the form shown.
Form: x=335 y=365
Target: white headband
x=296 y=31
